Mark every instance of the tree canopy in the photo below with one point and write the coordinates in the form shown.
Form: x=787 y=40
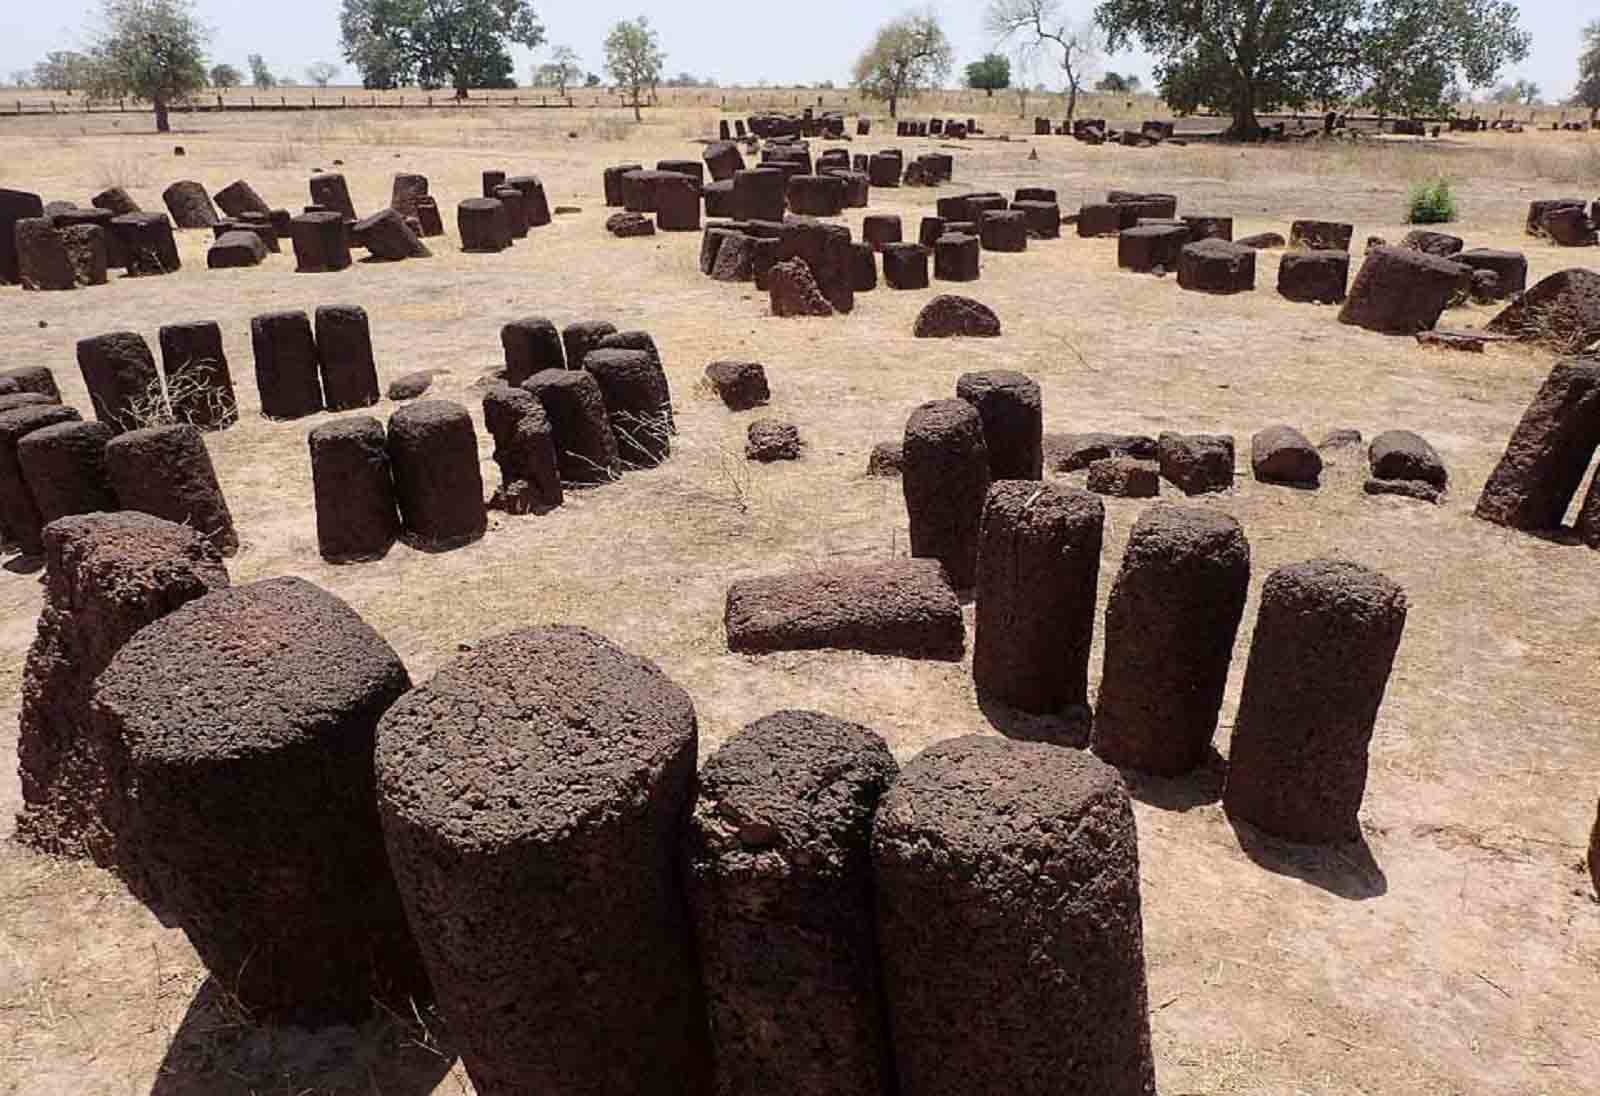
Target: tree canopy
x=320 y=72
x=1117 y=84
x=152 y=50
x=561 y=70
x=460 y=43
x=634 y=58
x=225 y=76
x=991 y=74
x=260 y=75
x=908 y=55
x=1244 y=56
x=63 y=70
x=1587 y=93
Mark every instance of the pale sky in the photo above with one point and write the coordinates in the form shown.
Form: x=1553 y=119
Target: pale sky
x=732 y=42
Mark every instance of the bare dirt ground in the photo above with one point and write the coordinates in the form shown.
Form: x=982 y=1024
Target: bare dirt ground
x=1455 y=951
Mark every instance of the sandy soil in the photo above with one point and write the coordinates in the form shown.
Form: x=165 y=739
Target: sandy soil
x=1454 y=951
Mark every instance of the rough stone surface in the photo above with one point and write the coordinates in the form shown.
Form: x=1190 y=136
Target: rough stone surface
x=905 y=266
x=1325 y=639
x=957 y=258
x=1401 y=292
x=1319 y=277
x=627 y=225
x=120 y=374
x=1171 y=621
x=778 y=865
x=586 y=449
x=433 y=452
x=1441 y=244
x=1215 y=266
x=410 y=386
x=531 y=345
x=107 y=575
x=1012 y=410
x=1321 y=235
x=63 y=468
x=638 y=403
x=1003 y=230
x=233 y=250
x=353 y=490
x=19 y=512
x=904 y=607
x=1196 y=463
x=794 y=290
x=15 y=205
x=577 y=339
x=949 y=315
x=1282 y=454
x=1124 y=477
x=344 y=347
x=1411 y=489
x=388 y=238
x=238 y=198
x=1510 y=269
x=945 y=478
x=321 y=243
x=166 y=471
x=878 y=229
x=740 y=385
x=525 y=450
x=1008 y=895
x=32 y=378
x=864 y=267
x=735 y=258
x=43 y=263
x=287 y=366
x=1562 y=310
x=825 y=249
x=1038 y=571
x=533 y=795
x=330 y=191
x=483 y=225
x=612 y=178
x=886 y=459
x=760 y=194
x=768 y=440
x=1262 y=241
x=249 y=716
x=1403 y=455
x=1544 y=462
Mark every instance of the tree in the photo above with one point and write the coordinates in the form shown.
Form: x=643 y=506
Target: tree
x=1114 y=84
x=153 y=50
x=991 y=74
x=1417 y=55
x=260 y=75
x=320 y=72
x=225 y=76
x=21 y=78
x=462 y=43
x=591 y=80
x=1041 y=23
x=1518 y=92
x=909 y=54
x=1587 y=93
x=634 y=58
x=62 y=70
x=561 y=70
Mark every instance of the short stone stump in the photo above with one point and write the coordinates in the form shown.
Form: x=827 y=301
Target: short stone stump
x=166 y=471
x=433 y=453
x=945 y=477
x=353 y=490
x=1012 y=409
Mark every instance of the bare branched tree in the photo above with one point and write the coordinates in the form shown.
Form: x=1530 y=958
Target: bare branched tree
x=1042 y=23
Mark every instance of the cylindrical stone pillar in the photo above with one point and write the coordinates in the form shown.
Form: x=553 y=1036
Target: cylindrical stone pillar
x=535 y=206
x=531 y=345
x=778 y=863
x=408 y=187
x=120 y=374
x=250 y=715
x=1550 y=450
x=1170 y=625
x=19 y=513
x=483 y=224
x=533 y=794
x=189 y=204
x=287 y=367
x=516 y=213
x=1014 y=950
x=525 y=450
x=945 y=479
x=586 y=449
x=199 y=383
x=760 y=194
x=344 y=348
x=64 y=469
x=239 y=197
x=1324 y=643
x=321 y=243
x=166 y=471
x=637 y=404
x=433 y=452
x=146 y=240
x=353 y=489
x=1012 y=410
x=1038 y=573
x=330 y=191
x=581 y=337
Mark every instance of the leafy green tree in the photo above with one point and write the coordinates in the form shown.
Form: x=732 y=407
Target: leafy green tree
x=1043 y=27
x=634 y=59
x=908 y=55
x=991 y=74
x=1114 y=84
x=21 y=78
x=460 y=43
x=1587 y=93
x=376 y=36
x=561 y=70
x=260 y=75
x=152 y=50
x=1418 y=55
x=62 y=70
x=225 y=76
x=320 y=72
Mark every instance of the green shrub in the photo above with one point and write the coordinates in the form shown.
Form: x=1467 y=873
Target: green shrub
x=1431 y=203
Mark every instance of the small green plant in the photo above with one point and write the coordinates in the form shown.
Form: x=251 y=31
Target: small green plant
x=1431 y=203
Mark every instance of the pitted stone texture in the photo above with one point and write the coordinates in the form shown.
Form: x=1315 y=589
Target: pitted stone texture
x=64 y=469
x=249 y=716
x=433 y=452
x=19 y=513
x=525 y=450
x=1403 y=455
x=1196 y=463
x=1319 y=277
x=740 y=385
x=586 y=448
x=288 y=370
x=949 y=315
x=906 y=607
x=1401 y=292
x=353 y=490
x=107 y=575
x=1038 y=571
x=1171 y=621
x=167 y=471
x=945 y=478
x=1124 y=477
x=1324 y=643
x=533 y=794
x=1012 y=410
x=344 y=348
x=1008 y=894
x=532 y=345
x=779 y=871
x=638 y=404
x=1544 y=462
x=1282 y=454
x=1562 y=310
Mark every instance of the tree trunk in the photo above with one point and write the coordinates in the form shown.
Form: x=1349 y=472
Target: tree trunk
x=163 y=124
x=1246 y=126
x=637 y=117
x=988 y=93
x=1072 y=102
x=894 y=101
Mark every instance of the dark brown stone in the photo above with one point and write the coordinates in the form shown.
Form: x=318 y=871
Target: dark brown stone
x=1124 y=478
x=107 y=575
x=1011 y=408
x=1281 y=454
x=879 y=229
x=120 y=373
x=15 y=205
x=1196 y=463
x=429 y=222
x=238 y=198
x=768 y=440
x=612 y=178
x=433 y=453
x=353 y=490
x=905 y=266
x=625 y=225
x=1263 y=241
x=904 y=607
x=825 y=249
x=249 y=715
x=1170 y=625
x=1147 y=247
x=741 y=385
x=1045 y=967
x=559 y=889
x=63 y=469
x=1209 y=228
x=1324 y=642
x=1538 y=209
x=1314 y=276
x=794 y=291
x=760 y=194
x=32 y=378
x=1549 y=452
x=524 y=449
x=638 y=403
x=778 y=865
x=199 y=383
x=1038 y=570
x=330 y=191
x=1401 y=292
x=1003 y=230
x=946 y=479
x=816 y=195
x=1411 y=489
x=886 y=459
x=535 y=206
x=577 y=339
x=1042 y=218
x=586 y=449
x=1073 y=452
x=19 y=512
x=1441 y=244
x=1509 y=267
x=408 y=187
x=410 y=386
x=86 y=252
x=1403 y=455
x=388 y=238
x=233 y=250
x=531 y=345
x=483 y=225
x=956 y=258
x=286 y=363
x=1216 y=266
x=1321 y=235
x=321 y=243
x=1099 y=219
x=166 y=471
x=722 y=160
x=864 y=268
x=43 y=262
x=344 y=348
x=1562 y=310
x=948 y=315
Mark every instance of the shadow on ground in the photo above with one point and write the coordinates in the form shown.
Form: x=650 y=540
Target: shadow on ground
x=1348 y=870
x=217 y=1053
